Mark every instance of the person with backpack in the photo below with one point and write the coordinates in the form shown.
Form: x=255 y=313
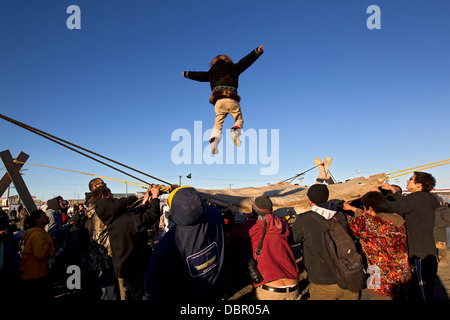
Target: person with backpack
x=309 y=229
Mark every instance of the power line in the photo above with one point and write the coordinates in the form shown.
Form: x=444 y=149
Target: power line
x=72 y=147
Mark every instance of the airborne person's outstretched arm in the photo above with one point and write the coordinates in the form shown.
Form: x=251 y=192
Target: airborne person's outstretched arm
x=201 y=76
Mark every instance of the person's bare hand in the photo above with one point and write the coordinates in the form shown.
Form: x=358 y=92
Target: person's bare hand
x=375 y=189
x=146 y=196
x=387 y=186
x=151 y=193
x=260 y=49
x=155 y=191
x=348 y=207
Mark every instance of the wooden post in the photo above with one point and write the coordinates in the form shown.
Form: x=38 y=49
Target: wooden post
x=13 y=172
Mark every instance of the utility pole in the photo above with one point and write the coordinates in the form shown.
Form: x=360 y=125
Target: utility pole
x=7 y=200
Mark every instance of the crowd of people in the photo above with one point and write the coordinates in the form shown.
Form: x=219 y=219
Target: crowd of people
x=135 y=248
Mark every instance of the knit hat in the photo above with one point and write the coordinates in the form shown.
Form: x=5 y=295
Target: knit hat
x=318 y=193
x=262 y=205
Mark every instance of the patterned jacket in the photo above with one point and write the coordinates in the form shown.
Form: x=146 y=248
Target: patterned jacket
x=384 y=243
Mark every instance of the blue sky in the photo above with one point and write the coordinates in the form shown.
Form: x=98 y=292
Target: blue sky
x=373 y=100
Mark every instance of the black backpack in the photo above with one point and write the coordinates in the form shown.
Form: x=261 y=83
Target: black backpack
x=341 y=256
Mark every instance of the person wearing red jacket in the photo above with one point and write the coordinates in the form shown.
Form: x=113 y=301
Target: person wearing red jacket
x=276 y=261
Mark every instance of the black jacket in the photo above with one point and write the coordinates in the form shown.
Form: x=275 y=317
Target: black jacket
x=418 y=210
x=308 y=230
x=128 y=234
x=224 y=77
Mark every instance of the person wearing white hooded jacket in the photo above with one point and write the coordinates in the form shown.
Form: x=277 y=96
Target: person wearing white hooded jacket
x=307 y=229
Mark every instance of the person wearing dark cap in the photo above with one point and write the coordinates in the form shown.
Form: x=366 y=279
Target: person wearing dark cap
x=307 y=229
x=188 y=262
x=275 y=260
x=128 y=235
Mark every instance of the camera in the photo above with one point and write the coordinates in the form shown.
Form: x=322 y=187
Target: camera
x=255 y=275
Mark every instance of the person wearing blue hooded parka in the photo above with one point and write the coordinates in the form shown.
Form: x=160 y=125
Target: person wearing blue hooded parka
x=188 y=262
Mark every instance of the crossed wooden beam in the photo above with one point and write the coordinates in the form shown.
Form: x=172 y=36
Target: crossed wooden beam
x=12 y=174
x=324 y=170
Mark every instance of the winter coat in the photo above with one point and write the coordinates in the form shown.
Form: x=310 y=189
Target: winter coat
x=99 y=248
x=418 y=209
x=308 y=230
x=56 y=227
x=38 y=247
x=224 y=76
x=442 y=223
x=383 y=241
x=277 y=260
x=128 y=234
x=188 y=262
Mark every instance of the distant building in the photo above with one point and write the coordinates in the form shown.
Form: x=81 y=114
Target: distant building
x=14 y=202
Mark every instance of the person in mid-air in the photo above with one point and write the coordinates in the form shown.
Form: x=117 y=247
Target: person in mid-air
x=223 y=77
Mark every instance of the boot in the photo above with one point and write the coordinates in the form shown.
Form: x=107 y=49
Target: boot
x=235 y=133
x=216 y=136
